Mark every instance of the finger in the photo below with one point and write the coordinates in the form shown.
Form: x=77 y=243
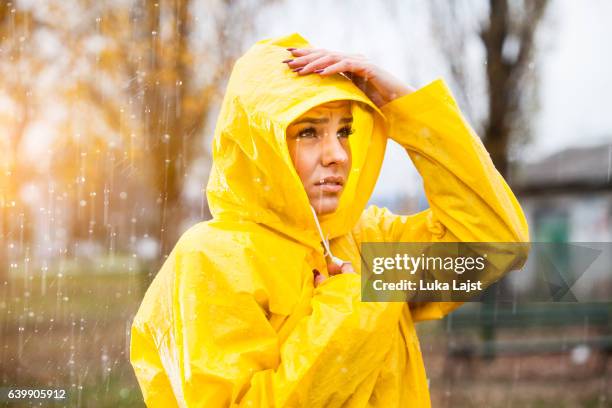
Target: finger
x=319 y=279
x=347 y=267
x=319 y=63
x=345 y=65
x=333 y=269
x=301 y=61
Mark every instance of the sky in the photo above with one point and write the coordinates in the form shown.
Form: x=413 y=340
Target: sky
x=575 y=69
x=576 y=79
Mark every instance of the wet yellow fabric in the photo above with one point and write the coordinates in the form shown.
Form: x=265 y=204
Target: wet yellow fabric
x=232 y=318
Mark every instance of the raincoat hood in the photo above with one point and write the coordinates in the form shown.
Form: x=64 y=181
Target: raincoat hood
x=253 y=177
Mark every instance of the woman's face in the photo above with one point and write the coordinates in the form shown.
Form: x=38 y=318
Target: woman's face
x=319 y=147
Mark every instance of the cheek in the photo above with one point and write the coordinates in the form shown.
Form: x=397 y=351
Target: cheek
x=349 y=162
x=305 y=161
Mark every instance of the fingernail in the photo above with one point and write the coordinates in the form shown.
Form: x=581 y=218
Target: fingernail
x=291 y=49
x=318 y=71
x=286 y=61
x=298 y=69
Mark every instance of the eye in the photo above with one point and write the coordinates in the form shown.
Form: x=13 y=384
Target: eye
x=346 y=131
x=307 y=133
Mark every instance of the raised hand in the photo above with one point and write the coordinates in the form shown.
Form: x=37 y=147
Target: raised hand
x=380 y=86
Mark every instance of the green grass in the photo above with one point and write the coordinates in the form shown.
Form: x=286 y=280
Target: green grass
x=71 y=331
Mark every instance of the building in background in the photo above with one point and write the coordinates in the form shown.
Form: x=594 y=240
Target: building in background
x=567 y=197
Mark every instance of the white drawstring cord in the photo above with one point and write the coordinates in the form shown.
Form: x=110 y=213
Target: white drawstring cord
x=334 y=259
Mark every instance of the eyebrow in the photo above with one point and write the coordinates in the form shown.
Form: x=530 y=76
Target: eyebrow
x=318 y=121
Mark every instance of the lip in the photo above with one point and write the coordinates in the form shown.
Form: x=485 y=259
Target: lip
x=331 y=184
x=330 y=188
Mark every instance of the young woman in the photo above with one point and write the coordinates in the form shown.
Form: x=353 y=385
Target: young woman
x=261 y=306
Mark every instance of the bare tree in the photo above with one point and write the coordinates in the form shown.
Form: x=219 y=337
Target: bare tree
x=140 y=83
x=507 y=34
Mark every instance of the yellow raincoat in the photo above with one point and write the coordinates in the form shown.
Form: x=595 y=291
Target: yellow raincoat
x=233 y=319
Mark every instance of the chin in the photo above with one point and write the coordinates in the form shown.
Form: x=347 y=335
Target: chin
x=326 y=205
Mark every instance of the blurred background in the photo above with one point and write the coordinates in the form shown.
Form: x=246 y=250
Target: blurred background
x=107 y=110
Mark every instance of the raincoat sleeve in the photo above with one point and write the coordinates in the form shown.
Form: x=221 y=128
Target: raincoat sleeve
x=223 y=350
x=469 y=200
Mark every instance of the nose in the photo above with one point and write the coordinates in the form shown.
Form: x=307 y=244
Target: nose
x=333 y=151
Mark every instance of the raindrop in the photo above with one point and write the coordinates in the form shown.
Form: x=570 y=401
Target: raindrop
x=580 y=354
x=609 y=161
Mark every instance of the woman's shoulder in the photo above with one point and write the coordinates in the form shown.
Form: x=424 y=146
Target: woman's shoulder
x=242 y=257
x=234 y=236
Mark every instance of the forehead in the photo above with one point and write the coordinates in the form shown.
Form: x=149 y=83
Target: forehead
x=335 y=107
